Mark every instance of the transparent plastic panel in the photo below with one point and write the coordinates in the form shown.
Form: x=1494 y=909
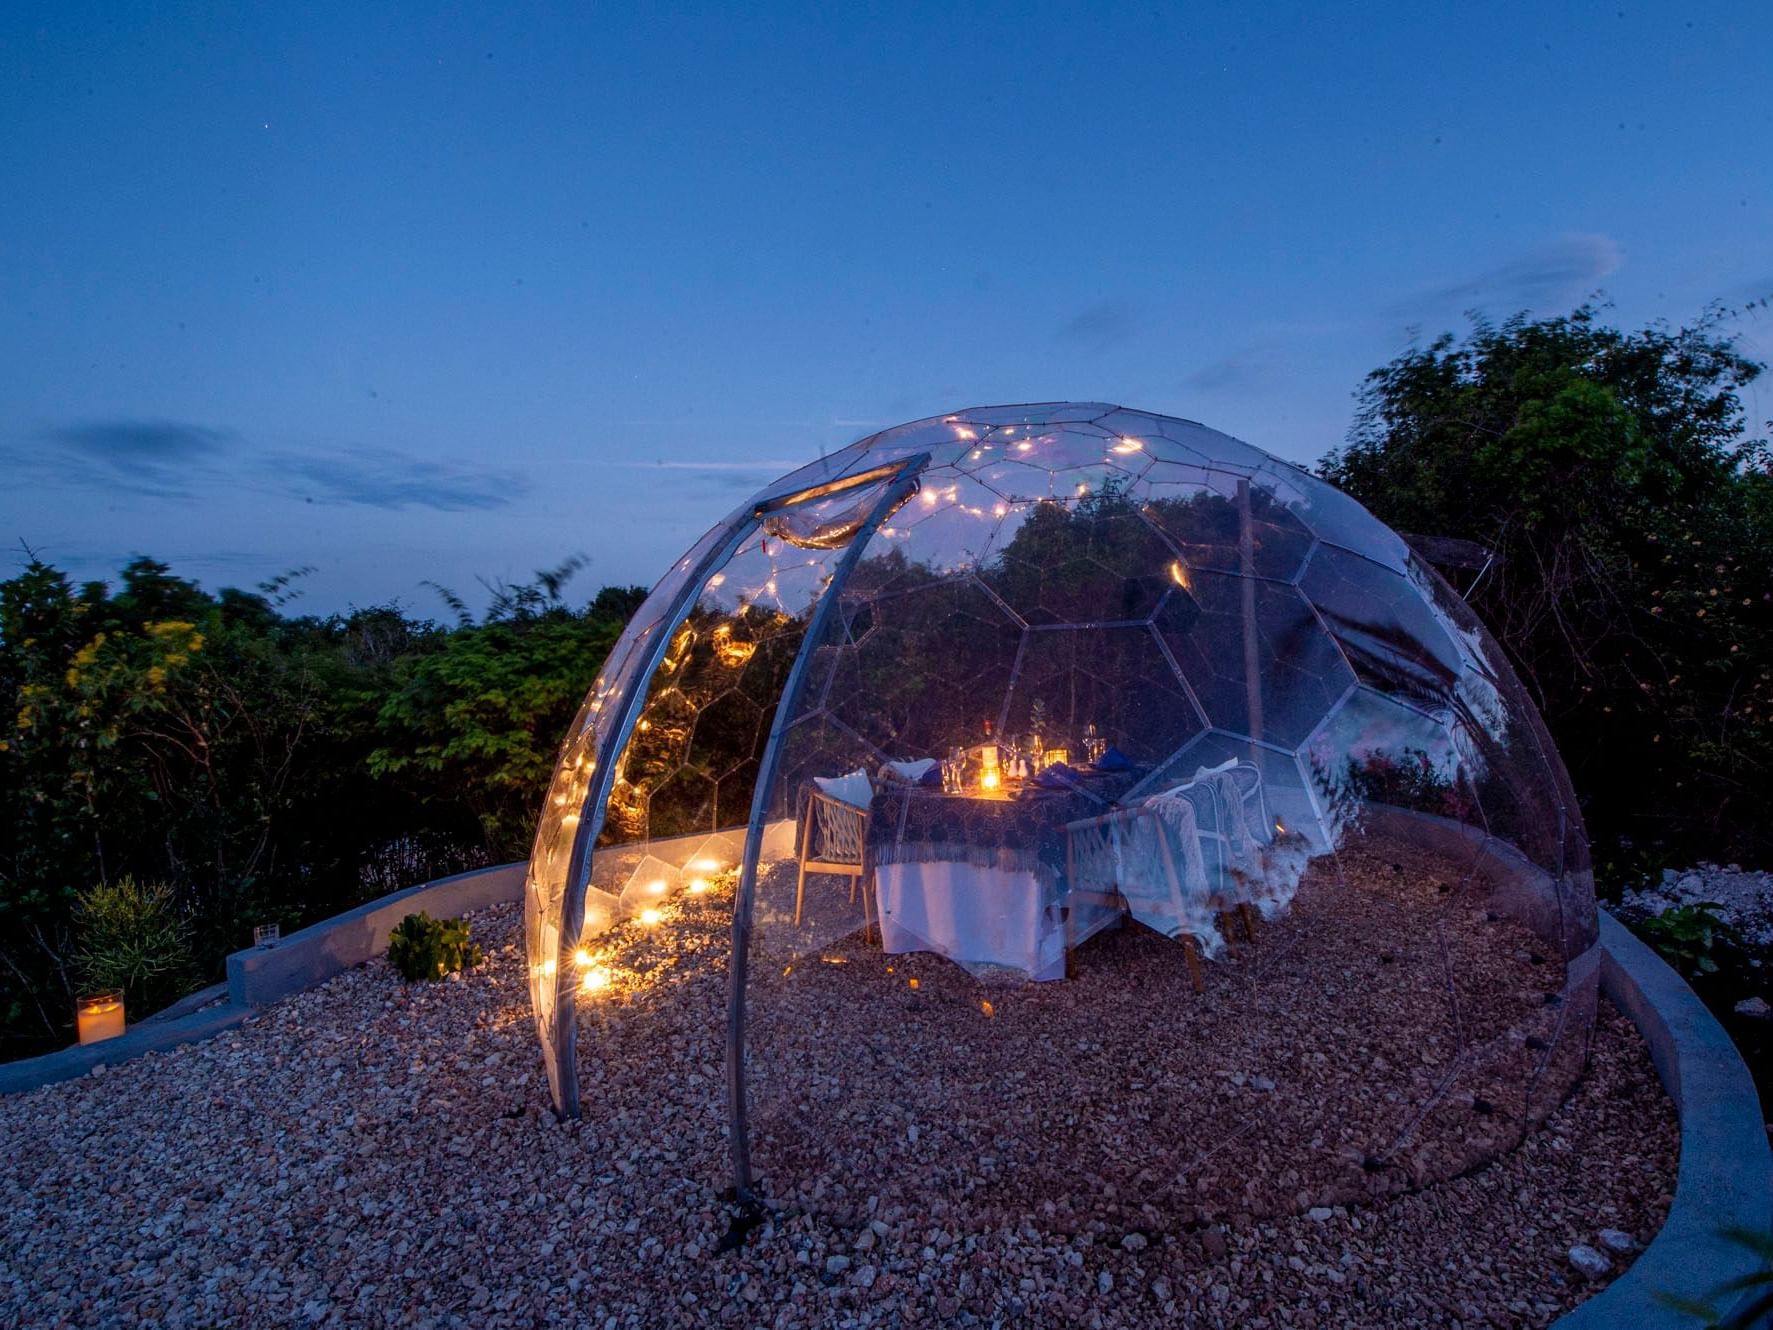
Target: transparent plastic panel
x=1254 y=655
x=920 y=671
x=1207 y=515
x=1092 y=560
x=1114 y=681
x=1338 y=519
x=1393 y=636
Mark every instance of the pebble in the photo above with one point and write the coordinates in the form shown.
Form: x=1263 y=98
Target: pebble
x=1616 y=1240
x=1589 y=1263
x=1755 y=1008
x=1134 y=1242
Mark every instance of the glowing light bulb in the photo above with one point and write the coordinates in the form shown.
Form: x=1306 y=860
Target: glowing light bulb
x=698 y=885
x=595 y=981
x=1128 y=446
x=707 y=865
x=651 y=917
x=549 y=966
x=581 y=958
x=1178 y=574
x=657 y=887
x=990 y=780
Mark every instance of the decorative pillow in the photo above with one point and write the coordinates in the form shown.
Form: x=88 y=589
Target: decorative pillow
x=854 y=788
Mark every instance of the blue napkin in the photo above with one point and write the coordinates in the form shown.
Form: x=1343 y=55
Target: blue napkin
x=932 y=777
x=1056 y=777
x=1113 y=759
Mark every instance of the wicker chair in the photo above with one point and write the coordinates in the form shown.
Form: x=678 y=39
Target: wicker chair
x=834 y=839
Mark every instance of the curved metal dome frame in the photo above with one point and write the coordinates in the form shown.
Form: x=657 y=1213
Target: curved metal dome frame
x=841 y=502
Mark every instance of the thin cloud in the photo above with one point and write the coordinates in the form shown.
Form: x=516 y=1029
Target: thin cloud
x=1251 y=367
x=160 y=458
x=387 y=479
x=164 y=459
x=1101 y=326
x=1555 y=275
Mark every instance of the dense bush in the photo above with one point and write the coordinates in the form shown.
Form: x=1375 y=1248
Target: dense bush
x=421 y=947
x=264 y=766
x=131 y=937
x=1629 y=509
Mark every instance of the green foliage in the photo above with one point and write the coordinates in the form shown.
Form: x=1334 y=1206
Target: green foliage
x=477 y=723
x=421 y=947
x=220 y=746
x=1687 y=937
x=1759 y=1282
x=132 y=938
x=1631 y=514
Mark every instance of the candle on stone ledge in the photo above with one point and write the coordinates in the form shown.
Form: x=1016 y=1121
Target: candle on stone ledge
x=99 y=1015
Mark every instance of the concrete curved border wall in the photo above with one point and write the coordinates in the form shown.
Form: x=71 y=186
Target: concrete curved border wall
x=1726 y=1169
x=258 y=977
x=1726 y=1174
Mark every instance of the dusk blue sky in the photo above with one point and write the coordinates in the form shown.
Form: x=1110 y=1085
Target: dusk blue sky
x=408 y=292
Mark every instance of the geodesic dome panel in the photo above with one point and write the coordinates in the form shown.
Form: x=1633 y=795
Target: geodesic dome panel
x=1156 y=736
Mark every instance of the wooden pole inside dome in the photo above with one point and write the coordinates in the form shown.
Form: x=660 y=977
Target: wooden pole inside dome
x=1246 y=551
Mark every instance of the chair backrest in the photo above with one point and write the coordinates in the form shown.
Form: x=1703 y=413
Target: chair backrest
x=840 y=830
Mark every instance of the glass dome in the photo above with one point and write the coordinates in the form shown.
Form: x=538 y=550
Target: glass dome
x=1110 y=818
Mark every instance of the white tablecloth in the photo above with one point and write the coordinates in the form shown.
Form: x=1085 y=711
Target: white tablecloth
x=974 y=915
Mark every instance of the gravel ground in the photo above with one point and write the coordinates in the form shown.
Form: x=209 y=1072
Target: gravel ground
x=376 y=1154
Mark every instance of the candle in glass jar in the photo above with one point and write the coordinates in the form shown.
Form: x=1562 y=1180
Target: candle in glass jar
x=99 y=1016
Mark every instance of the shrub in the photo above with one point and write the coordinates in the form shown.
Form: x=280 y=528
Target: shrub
x=425 y=948
x=132 y=937
x=1687 y=936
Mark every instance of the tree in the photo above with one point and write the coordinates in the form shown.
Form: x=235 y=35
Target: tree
x=477 y=724
x=1627 y=504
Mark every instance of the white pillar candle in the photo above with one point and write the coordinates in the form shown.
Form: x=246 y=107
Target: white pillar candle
x=99 y=1016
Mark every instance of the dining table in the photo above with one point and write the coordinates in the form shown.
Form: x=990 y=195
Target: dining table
x=979 y=876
